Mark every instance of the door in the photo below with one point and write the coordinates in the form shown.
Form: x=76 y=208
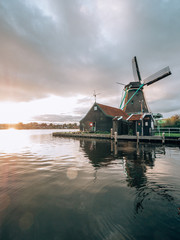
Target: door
x=146 y=128
x=94 y=126
x=139 y=127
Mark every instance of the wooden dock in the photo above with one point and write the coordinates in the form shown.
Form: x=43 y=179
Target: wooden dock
x=158 y=139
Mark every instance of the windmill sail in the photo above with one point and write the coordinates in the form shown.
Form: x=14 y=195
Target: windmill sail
x=134 y=100
x=157 y=76
x=136 y=72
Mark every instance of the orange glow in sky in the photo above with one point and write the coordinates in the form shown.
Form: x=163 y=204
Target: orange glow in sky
x=14 y=112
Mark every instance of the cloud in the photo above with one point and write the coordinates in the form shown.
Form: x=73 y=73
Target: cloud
x=57 y=118
x=67 y=48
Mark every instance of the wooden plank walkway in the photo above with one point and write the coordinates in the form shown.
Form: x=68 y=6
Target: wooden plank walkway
x=81 y=135
x=119 y=137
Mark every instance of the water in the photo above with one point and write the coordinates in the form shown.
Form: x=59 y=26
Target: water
x=60 y=188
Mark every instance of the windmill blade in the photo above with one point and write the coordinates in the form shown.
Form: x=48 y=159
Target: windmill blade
x=157 y=76
x=136 y=72
x=121 y=83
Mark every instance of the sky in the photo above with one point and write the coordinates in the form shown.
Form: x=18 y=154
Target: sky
x=55 y=53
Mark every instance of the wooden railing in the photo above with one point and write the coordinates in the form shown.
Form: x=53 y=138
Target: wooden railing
x=168 y=131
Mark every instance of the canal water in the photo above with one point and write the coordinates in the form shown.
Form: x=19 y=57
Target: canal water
x=60 y=188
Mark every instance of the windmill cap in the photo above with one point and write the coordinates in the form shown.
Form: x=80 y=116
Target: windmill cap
x=133 y=85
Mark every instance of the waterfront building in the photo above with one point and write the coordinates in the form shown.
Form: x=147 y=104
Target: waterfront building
x=142 y=123
x=99 y=118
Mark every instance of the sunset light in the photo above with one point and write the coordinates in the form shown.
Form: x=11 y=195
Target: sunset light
x=90 y=48
x=14 y=112
x=89 y=119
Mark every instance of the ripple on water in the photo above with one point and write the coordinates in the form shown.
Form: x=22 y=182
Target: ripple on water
x=50 y=185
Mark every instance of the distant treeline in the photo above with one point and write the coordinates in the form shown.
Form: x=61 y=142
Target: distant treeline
x=35 y=125
x=173 y=121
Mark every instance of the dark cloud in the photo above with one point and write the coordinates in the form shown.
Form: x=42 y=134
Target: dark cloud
x=72 y=47
x=57 y=118
x=166 y=104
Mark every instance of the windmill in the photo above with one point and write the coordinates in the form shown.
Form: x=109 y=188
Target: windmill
x=133 y=99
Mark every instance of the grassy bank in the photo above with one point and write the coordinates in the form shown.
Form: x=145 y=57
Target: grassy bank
x=168 y=135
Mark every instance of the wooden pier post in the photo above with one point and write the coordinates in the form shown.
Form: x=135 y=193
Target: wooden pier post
x=115 y=137
x=115 y=149
x=137 y=134
x=111 y=133
x=163 y=138
x=112 y=146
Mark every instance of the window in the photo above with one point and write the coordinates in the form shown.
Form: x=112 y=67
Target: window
x=146 y=124
x=132 y=102
x=95 y=108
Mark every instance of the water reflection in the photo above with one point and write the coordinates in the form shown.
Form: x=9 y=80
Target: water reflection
x=102 y=152
x=98 y=152
x=63 y=188
x=136 y=159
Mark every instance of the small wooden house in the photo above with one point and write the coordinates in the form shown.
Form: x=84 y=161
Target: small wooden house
x=142 y=123
x=99 y=118
x=121 y=126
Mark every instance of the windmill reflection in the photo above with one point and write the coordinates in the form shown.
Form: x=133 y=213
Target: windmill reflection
x=136 y=159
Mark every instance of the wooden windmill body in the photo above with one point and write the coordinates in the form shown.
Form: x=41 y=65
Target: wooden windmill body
x=134 y=101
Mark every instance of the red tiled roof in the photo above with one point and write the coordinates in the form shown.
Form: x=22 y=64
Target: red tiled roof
x=135 y=117
x=111 y=111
